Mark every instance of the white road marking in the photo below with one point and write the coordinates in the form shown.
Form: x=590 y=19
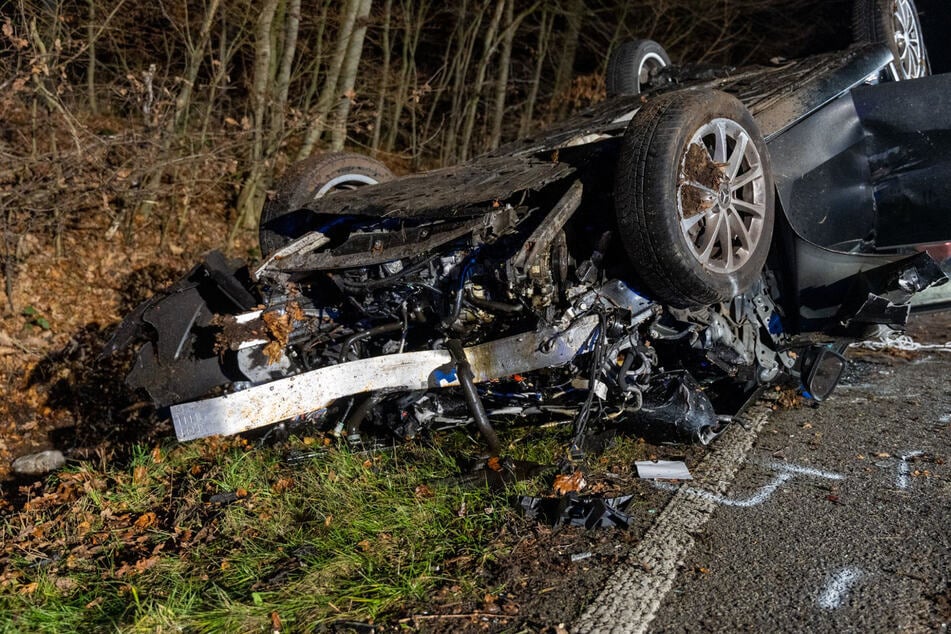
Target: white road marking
x=838 y=588
x=632 y=596
x=786 y=472
x=903 y=479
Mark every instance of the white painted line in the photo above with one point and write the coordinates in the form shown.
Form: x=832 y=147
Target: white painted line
x=632 y=596
x=838 y=588
x=786 y=472
x=806 y=471
x=903 y=479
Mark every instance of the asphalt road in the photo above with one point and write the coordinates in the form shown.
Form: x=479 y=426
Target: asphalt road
x=828 y=519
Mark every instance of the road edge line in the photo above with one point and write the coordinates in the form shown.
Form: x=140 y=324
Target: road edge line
x=632 y=596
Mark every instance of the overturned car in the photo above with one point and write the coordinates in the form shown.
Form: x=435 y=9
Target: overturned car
x=654 y=262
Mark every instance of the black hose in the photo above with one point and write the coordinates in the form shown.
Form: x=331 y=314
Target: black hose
x=471 y=394
x=597 y=359
x=366 y=334
x=357 y=416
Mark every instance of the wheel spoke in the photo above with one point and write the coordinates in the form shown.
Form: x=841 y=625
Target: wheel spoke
x=687 y=224
x=755 y=209
x=726 y=241
x=711 y=239
x=900 y=18
x=747 y=178
x=903 y=17
x=706 y=190
x=739 y=228
x=719 y=149
x=736 y=158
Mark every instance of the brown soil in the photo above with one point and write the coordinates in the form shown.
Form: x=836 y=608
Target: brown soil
x=56 y=390
x=698 y=168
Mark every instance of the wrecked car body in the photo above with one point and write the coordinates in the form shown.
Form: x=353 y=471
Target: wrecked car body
x=654 y=262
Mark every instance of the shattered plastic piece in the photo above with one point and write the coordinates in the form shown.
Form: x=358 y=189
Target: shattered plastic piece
x=662 y=470
x=586 y=511
x=575 y=558
x=679 y=401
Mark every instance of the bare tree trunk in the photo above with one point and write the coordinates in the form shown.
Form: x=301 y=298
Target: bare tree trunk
x=282 y=85
x=329 y=91
x=91 y=56
x=384 y=77
x=566 y=62
x=195 y=54
x=541 y=50
x=468 y=36
x=502 y=81
x=219 y=79
x=472 y=107
x=412 y=26
x=182 y=106
x=252 y=191
x=318 y=58
x=348 y=77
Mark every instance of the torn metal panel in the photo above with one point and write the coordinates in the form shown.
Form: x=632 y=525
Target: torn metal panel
x=461 y=191
x=908 y=142
x=173 y=365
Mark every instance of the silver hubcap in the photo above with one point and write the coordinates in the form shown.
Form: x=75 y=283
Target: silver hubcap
x=346 y=182
x=650 y=64
x=907 y=33
x=721 y=196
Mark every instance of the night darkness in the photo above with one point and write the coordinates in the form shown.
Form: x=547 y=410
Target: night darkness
x=936 y=22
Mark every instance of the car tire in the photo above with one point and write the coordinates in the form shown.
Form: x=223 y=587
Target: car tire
x=694 y=197
x=896 y=24
x=632 y=66
x=283 y=220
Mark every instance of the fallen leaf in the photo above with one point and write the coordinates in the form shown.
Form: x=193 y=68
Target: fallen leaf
x=29 y=588
x=145 y=521
x=569 y=484
x=283 y=484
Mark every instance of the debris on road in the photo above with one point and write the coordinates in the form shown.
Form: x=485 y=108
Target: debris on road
x=662 y=470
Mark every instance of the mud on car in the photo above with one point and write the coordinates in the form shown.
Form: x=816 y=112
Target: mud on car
x=653 y=263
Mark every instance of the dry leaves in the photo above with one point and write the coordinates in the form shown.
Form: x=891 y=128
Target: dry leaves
x=570 y=483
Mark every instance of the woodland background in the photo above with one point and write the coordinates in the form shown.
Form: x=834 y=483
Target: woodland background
x=121 y=112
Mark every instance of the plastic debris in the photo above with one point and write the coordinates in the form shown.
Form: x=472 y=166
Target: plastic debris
x=663 y=470
x=586 y=511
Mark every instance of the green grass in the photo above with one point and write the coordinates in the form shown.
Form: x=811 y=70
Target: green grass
x=340 y=536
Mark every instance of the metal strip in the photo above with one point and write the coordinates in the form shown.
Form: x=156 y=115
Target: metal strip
x=428 y=369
